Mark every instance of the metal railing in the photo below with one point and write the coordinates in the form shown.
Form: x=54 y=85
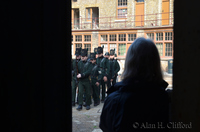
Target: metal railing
x=134 y=21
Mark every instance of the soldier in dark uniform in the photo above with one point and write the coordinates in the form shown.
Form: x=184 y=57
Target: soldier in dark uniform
x=114 y=67
x=107 y=55
x=84 y=68
x=95 y=79
x=104 y=65
x=74 y=74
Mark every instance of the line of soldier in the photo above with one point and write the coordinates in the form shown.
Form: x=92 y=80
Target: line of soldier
x=91 y=74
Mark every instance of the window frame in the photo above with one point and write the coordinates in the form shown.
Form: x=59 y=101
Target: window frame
x=134 y=37
x=122 y=37
x=86 y=15
x=102 y=40
x=121 y=8
x=159 y=36
x=151 y=36
x=110 y=37
x=159 y=49
x=169 y=36
x=171 y=52
x=85 y=38
x=119 y=50
x=78 y=38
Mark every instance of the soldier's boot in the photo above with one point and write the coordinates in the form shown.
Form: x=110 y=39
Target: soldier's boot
x=79 y=108
x=87 y=107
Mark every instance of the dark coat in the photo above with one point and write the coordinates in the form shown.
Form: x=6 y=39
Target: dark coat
x=136 y=104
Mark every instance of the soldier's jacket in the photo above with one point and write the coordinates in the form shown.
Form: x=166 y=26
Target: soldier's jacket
x=114 y=68
x=84 y=68
x=104 y=65
x=95 y=73
x=74 y=69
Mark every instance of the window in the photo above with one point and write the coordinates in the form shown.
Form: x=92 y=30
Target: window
x=113 y=37
x=131 y=37
x=88 y=14
x=104 y=38
x=122 y=37
x=113 y=46
x=78 y=45
x=168 y=49
x=105 y=49
x=122 y=49
x=150 y=36
x=122 y=9
x=160 y=48
x=89 y=48
x=122 y=13
x=78 y=38
x=159 y=36
x=140 y=0
x=168 y=36
x=87 y=38
x=122 y=3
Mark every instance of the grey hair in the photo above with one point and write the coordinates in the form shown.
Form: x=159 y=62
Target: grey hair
x=143 y=61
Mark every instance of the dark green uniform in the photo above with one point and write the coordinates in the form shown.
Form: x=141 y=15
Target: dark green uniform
x=84 y=68
x=114 y=69
x=74 y=74
x=74 y=78
x=104 y=65
x=94 y=78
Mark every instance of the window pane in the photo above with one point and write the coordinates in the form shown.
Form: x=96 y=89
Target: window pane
x=122 y=49
x=87 y=38
x=131 y=37
x=150 y=36
x=122 y=37
x=88 y=15
x=78 y=46
x=113 y=37
x=89 y=48
x=159 y=36
x=168 y=36
x=168 y=49
x=104 y=38
x=122 y=13
x=105 y=49
x=160 y=48
x=78 y=38
x=122 y=3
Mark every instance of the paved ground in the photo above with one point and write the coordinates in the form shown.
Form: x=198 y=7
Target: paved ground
x=88 y=120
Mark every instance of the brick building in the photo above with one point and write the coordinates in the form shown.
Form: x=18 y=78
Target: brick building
x=117 y=23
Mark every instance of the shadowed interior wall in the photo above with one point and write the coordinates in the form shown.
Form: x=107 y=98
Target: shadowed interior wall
x=186 y=81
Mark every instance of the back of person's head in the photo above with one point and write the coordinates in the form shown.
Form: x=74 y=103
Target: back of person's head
x=143 y=61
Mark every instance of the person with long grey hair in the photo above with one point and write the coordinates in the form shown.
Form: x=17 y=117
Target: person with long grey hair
x=140 y=98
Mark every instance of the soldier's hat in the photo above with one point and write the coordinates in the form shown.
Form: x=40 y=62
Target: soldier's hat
x=100 y=50
x=112 y=52
x=84 y=52
x=78 y=51
x=107 y=53
x=92 y=56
